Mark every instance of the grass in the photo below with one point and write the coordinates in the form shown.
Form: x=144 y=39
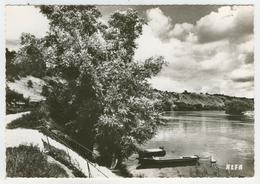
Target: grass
x=62 y=157
x=29 y=161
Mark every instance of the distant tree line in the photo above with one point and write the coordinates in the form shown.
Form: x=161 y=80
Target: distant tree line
x=16 y=68
x=237 y=107
x=171 y=101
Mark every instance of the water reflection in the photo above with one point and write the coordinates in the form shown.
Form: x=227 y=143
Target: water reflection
x=229 y=139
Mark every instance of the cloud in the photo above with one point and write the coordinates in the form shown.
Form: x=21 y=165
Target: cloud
x=158 y=22
x=245 y=73
x=214 y=54
x=229 y=22
x=182 y=31
x=205 y=56
x=249 y=58
x=244 y=79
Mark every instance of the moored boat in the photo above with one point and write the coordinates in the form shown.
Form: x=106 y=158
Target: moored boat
x=162 y=162
x=148 y=153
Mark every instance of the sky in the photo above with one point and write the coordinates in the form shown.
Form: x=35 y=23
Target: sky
x=208 y=48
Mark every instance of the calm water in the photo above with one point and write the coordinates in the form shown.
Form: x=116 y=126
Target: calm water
x=229 y=139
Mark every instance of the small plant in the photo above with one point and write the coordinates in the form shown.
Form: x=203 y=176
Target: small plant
x=29 y=84
x=45 y=90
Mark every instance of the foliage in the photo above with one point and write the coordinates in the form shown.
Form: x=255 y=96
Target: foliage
x=29 y=84
x=15 y=102
x=29 y=60
x=28 y=63
x=11 y=67
x=33 y=120
x=45 y=90
x=237 y=107
x=188 y=101
x=29 y=161
x=98 y=91
x=14 y=97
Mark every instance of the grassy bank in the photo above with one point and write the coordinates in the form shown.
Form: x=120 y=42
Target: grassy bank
x=64 y=158
x=29 y=161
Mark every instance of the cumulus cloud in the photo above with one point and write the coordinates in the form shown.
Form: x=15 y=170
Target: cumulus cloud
x=214 y=55
x=183 y=31
x=245 y=73
x=244 y=79
x=229 y=22
x=158 y=22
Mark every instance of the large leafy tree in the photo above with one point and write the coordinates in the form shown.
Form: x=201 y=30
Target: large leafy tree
x=98 y=91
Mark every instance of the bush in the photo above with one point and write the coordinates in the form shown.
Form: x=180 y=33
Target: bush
x=31 y=121
x=45 y=90
x=29 y=84
x=236 y=107
x=13 y=97
x=15 y=102
x=29 y=161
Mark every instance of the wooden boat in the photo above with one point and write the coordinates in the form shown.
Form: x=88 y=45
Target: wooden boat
x=159 y=162
x=148 y=153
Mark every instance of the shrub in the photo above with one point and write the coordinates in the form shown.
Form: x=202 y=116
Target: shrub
x=45 y=90
x=13 y=97
x=236 y=107
x=31 y=121
x=16 y=102
x=29 y=84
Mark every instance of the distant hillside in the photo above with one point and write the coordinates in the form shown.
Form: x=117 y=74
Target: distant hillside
x=23 y=94
x=31 y=87
x=195 y=101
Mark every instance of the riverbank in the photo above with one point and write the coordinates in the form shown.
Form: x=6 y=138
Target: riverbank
x=209 y=133
x=203 y=169
x=21 y=136
x=203 y=133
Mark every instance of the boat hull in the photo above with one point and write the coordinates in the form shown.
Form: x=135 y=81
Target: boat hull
x=153 y=163
x=152 y=153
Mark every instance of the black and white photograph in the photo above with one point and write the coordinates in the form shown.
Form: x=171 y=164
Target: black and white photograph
x=129 y=91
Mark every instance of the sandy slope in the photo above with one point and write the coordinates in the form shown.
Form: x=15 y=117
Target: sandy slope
x=21 y=86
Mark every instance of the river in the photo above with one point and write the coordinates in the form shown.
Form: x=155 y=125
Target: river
x=229 y=139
